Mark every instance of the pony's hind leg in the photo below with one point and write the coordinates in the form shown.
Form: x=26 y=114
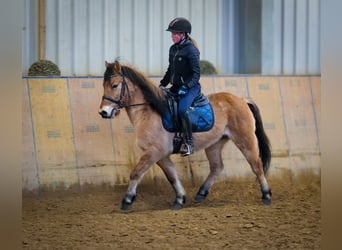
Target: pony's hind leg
x=170 y=172
x=214 y=155
x=251 y=152
x=257 y=168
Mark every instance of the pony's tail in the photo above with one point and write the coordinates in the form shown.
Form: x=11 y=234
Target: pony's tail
x=263 y=141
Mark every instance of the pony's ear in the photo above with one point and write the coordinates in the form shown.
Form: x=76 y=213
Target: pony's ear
x=117 y=67
x=106 y=64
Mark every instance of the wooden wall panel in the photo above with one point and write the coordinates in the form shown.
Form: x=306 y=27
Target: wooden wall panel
x=300 y=124
x=30 y=174
x=53 y=132
x=93 y=135
x=66 y=142
x=265 y=93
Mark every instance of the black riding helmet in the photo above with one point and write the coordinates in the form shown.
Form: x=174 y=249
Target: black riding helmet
x=179 y=24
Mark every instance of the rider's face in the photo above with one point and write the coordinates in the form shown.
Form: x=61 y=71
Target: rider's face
x=177 y=36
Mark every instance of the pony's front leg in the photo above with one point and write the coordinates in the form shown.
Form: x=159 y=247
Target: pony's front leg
x=145 y=162
x=130 y=195
x=170 y=172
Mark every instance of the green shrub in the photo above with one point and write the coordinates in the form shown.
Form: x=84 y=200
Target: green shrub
x=207 y=68
x=44 y=68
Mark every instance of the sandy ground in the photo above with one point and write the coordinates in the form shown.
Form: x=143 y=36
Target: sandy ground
x=232 y=217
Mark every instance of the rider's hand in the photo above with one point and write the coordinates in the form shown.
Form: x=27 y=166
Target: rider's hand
x=162 y=87
x=182 y=90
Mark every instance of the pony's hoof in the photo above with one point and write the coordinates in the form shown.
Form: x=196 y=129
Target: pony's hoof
x=177 y=206
x=266 y=201
x=201 y=195
x=126 y=204
x=266 y=198
x=178 y=203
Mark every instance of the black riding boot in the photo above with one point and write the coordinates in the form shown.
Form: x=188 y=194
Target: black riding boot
x=187 y=146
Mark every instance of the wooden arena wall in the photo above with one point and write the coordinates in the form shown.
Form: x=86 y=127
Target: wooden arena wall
x=66 y=142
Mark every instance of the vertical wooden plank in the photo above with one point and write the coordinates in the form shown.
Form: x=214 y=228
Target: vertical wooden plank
x=300 y=124
x=265 y=93
x=30 y=175
x=53 y=132
x=93 y=135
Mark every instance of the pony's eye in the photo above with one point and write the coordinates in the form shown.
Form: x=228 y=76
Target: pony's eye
x=115 y=86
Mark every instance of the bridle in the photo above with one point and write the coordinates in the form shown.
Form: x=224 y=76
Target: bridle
x=119 y=102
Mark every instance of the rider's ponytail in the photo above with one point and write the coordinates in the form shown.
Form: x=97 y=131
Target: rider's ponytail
x=193 y=41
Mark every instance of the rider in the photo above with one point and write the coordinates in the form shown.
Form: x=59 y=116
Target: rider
x=183 y=73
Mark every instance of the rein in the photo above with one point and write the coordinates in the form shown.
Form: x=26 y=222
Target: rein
x=122 y=94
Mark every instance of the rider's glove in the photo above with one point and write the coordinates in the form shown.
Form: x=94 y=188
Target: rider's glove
x=182 y=90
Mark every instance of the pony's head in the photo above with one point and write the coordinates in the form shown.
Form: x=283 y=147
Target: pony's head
x=122 y=84
x=114 y=88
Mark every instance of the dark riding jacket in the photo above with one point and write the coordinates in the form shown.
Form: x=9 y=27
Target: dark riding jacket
x=184 y=68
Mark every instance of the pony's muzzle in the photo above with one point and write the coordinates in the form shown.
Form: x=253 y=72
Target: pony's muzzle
x=107 y=112
x=104 y=114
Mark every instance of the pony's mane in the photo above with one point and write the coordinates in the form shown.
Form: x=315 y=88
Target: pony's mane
x=148 y=89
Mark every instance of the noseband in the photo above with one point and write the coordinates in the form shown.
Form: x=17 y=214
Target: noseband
x=122 y=94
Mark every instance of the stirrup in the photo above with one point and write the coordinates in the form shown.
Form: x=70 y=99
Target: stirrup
x=186 y=149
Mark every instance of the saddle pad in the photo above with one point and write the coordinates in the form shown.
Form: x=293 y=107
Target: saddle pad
x=202 y=118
